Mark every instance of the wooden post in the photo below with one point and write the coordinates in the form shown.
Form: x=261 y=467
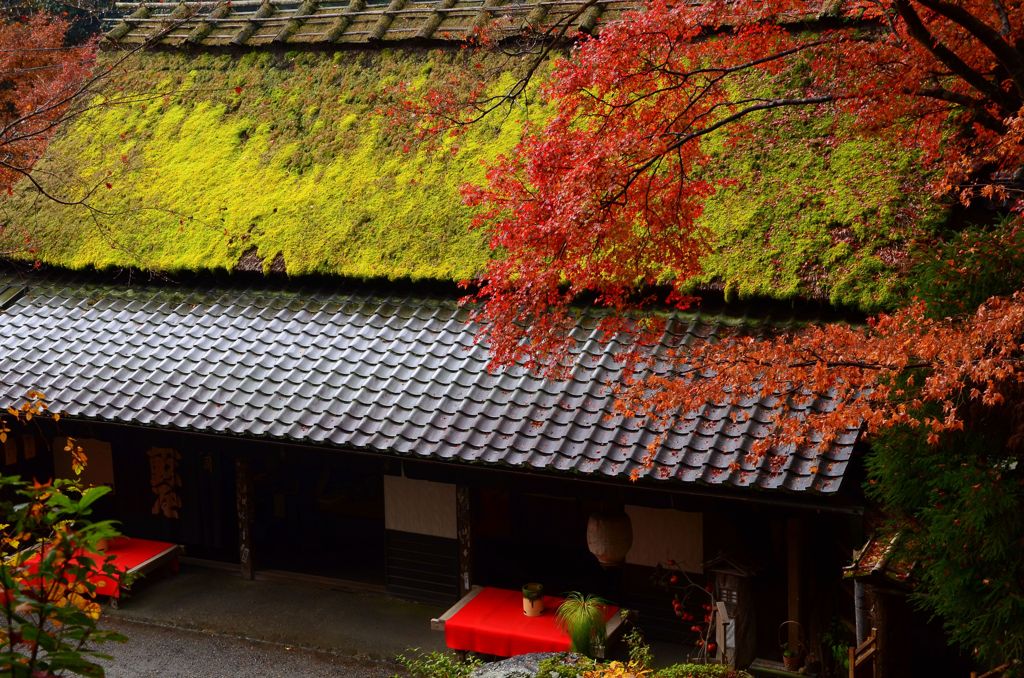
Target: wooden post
x=243 y=504
x=793 y=579
x=726 y=654
x=464 y=529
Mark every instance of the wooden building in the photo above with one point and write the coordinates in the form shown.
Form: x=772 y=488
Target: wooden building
x=360 y=436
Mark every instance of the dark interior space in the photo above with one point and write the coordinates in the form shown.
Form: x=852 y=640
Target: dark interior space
x=541 y=538
x=319 y=514
x=205 y=524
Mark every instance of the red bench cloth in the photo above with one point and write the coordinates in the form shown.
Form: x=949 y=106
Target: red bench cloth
x=127 y=554
x=493 y=623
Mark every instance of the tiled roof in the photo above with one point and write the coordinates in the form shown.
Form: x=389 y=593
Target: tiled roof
x=340 y=22
x=396 y=375
x=880 y=557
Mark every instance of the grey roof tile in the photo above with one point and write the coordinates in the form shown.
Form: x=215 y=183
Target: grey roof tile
x=393 y=374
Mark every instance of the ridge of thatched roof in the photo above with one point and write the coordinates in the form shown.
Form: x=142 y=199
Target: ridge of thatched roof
x=258 y=23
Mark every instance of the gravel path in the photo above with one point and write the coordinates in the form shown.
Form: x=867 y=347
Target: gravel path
x=162 y=652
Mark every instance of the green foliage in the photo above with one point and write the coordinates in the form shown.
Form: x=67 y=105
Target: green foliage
x=836 y=642
x=639 y=650
x=700 y=671
x=419 y=664
x=971 y=266
x=565 y=666
x=575 y=666
x=581 y=616
x=960 y=509
x=47 y=603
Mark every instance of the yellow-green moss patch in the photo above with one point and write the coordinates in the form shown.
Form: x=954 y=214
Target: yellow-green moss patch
x=298 y=163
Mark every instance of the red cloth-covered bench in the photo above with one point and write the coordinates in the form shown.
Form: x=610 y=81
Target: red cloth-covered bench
x=135 y=557
x=491 y=621
x=129 y=556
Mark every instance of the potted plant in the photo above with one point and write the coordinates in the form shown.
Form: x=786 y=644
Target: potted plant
x=533 y=599
x=790 y=657
x=792 y=649
x=582 y=618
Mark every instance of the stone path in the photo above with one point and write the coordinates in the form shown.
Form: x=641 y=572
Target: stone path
x=164 y=652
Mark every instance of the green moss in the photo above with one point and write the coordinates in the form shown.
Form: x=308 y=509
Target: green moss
x=810 y=215
x=299 y=164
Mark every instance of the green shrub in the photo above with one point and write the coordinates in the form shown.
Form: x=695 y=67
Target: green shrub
x=419 y=664
x=581 y=616
x=565 y=665
x=701 y=671
x=639 y=650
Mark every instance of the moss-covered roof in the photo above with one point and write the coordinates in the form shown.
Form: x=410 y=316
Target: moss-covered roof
x=297 y=165
x=297 y=171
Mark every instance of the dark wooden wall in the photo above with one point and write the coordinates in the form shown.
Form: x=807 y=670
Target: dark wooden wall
x=421 y=567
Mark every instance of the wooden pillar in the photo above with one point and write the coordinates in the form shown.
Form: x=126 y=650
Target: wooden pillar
x=244 y=506
x=464 y=528
x=794 y=574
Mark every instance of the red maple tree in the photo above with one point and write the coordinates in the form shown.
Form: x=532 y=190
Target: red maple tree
x=42 y=82
x=603 y=202
x=604 y=198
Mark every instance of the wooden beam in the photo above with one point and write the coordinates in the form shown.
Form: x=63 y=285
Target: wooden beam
x=484 y=14
x=435 y=20
x=588 y=22
x=244 y=507
x=794 y=550
x=464 y=530
x=342 y=23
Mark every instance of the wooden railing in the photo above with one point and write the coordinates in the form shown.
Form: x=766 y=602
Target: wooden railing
x=864 y=657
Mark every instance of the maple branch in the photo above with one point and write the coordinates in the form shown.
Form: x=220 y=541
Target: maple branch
x=1009 y=57
x=85 y=87
x=67 y=99
x=1004 y=18
x=554 y=35
x=750 y=64
x=919 y=32
x=765 y=105
x=719 y=72
x=42 y=190
x=855 y=364
x=976 y=106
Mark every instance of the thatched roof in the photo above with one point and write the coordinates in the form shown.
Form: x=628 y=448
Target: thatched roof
x=252 y=23
x=278 y=159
